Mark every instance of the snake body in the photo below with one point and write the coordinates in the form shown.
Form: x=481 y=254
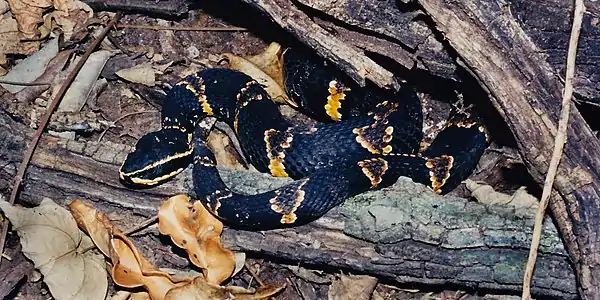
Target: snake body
x=366 y=141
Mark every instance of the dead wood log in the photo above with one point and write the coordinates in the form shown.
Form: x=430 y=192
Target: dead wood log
x=404 y=234
x=526 y=92
x=403 y=28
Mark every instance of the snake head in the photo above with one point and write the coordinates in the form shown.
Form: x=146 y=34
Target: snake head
x=158 y=157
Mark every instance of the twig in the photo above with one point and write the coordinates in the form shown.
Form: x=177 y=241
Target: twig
x=559 y=142
x=24 y=83
x=141 y=225
x=44 y=122
x=254 y=275
x=181 y=28
x=123 y=117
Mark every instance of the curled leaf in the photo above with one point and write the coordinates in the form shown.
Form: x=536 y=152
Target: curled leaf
x=131 y=269
x=194 y=229
x=264 y=68
x=94 y=223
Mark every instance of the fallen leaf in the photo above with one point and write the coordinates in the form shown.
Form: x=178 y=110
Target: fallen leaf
x=79 y=90
x=269 y=60
x=142 y=73
x=199 y=289
x=198 y=232
x=522 y=201
x=68 y=15
x=9 y=35
x=32 y=67
x=71 y=16
x=131 y=269
x=352 y=287
x=50 y=238
x=94 y=223
x=28 y=16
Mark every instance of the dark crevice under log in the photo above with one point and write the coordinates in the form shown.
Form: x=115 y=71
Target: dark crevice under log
x=404 y=234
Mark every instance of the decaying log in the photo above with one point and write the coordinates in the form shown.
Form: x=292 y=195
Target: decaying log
x=348 y=58
x=404 y=234
x=405 y=29
x=528 y=95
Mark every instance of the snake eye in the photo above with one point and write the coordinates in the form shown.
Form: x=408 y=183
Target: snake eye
x=165 y=154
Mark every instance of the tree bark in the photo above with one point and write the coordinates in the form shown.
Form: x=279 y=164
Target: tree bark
x=528 y=95
x=405 y=233
x=506 y=57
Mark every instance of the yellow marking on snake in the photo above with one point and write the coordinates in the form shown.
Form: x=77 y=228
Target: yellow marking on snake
x=155 y=180
x=276 y=166
x=438 y=176
x=156 y=163
x=289 y=218
x=334 y=100
x=374 y=169
x=218 y=199
x=363 y=142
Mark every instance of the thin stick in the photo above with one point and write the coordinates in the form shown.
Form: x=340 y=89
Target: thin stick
x=24 y=83
x=44 y=122
x=254 y=275
x=559 y=142
x=141 y=225
x=181 y=28
x=123 y=117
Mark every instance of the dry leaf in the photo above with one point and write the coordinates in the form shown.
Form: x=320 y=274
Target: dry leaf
x=194 y=229
x=94 y=223
x=67 y=14
x=131 y=269
x=352 y=287
x=79 y=90
x=51 y=239
x=199 y=289
x=9 y=36
x=32 y=67
x=142 y=73
x=269 y=60
x=520 y=200
x=71 y=15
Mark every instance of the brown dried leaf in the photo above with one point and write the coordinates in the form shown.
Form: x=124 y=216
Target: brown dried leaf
x=269 y=61
x=28 y=15
x=264 y=68
x=9 y=37
x=51 y=239
x=352 y=287
x=94 y=223
x=142 y=73
x=199 y=289
x=71 y=15
x=522 y=201
x=194 y=229
x=131 y=269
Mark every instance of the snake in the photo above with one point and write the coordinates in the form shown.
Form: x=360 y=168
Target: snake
x=364 y=139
